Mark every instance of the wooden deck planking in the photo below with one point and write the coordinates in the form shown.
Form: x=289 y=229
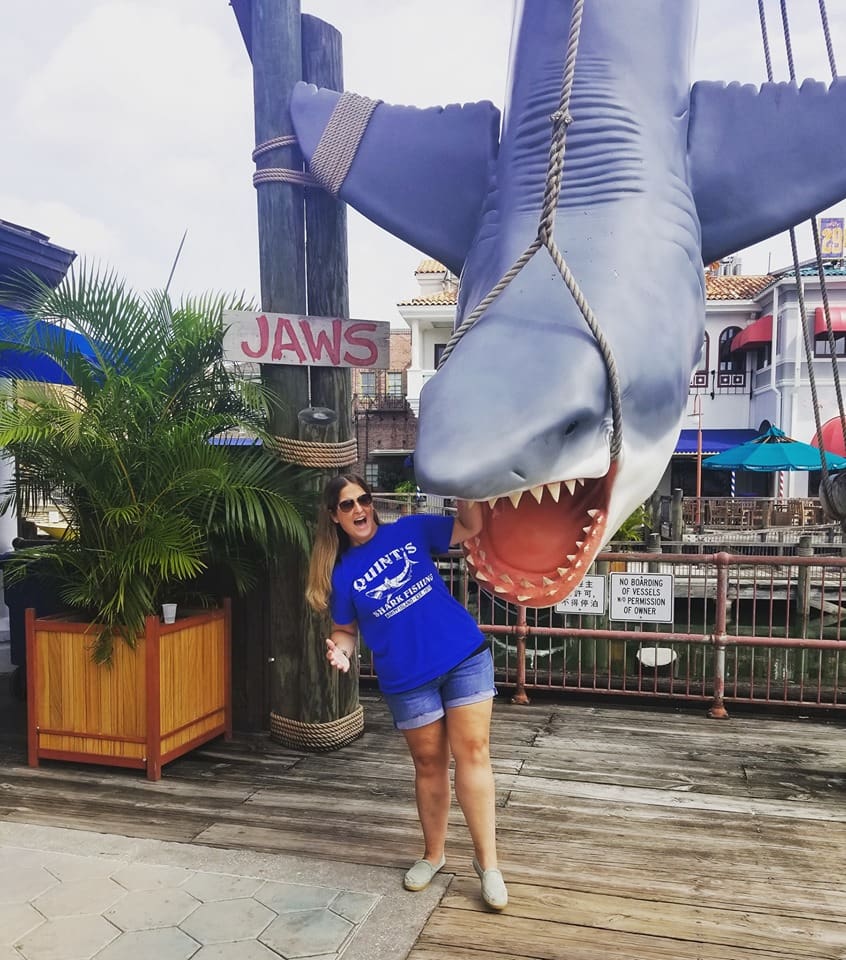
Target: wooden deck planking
x=624 y=832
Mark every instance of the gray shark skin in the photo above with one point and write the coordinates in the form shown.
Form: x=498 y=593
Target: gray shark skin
x=656 y=178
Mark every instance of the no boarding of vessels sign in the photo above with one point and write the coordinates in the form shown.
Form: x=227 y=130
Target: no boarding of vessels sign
x=642 y=597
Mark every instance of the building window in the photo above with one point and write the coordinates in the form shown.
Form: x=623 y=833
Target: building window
x=730 y=362
x=763 y=356
x=699 y=381
x=439 y=349
x=731 y=375
x=822 y=348
x=368 y=383
x=393 y=385
x=371 y=474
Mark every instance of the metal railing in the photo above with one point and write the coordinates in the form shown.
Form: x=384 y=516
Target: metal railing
x=761 y=629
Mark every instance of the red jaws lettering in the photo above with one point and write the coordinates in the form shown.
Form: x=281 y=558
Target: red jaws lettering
x=284 y=328
x=310 y=345
x=264 y=339
x=365 y=342
x=315 y=348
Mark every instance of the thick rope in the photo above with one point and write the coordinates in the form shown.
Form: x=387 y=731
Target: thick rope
x=800 y=291
x=280 y=174
x=334 y=154
x=310 y=453
x=829 y=46
x=561 y=121
x=765 y=39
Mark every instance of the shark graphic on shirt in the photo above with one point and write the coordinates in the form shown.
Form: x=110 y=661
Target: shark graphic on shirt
x=390 y=585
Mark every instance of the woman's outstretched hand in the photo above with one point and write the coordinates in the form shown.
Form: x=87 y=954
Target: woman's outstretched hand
x=337 y=656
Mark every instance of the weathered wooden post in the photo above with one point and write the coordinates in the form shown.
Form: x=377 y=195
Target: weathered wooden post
x=676 y=516
x=311 y=706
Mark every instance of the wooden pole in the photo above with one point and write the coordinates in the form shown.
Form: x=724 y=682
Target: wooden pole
x=285 y=48
x=277 y=67
x=326 y=694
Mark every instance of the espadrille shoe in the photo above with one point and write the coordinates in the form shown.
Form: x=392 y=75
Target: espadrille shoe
x=494 y=892
x=420 y=874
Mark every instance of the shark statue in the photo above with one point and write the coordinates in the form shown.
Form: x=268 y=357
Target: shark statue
x=659 y=177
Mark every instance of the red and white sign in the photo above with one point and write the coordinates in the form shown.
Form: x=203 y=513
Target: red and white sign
x=305 y=341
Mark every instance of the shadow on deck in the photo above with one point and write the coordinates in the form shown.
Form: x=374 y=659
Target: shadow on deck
x=624 y=833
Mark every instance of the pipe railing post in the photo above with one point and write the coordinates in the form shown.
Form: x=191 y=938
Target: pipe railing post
x=520 y=695
x=717 y=710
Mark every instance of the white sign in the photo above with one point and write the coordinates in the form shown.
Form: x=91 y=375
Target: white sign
x=642 y=597
x=305 y=341
x=588 y=597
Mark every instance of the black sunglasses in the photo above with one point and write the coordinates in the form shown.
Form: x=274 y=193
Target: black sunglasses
x=345 y=506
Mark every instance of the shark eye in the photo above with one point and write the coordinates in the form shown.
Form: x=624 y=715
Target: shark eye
x=571 y=428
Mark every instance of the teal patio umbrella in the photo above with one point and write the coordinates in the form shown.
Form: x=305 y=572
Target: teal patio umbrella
x=771 y=452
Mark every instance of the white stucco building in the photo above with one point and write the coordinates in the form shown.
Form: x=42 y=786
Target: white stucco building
x=753 y=369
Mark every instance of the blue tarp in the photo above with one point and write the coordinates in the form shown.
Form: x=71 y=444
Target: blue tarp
x=713 y=441
x=16 y=363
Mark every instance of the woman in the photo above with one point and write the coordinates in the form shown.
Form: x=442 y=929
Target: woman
x=434 y=666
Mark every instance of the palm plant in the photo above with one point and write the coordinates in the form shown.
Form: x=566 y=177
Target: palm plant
x=137 y=454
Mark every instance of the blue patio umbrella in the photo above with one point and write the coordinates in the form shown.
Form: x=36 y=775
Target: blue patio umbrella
x=771 y=452
x=17 y=361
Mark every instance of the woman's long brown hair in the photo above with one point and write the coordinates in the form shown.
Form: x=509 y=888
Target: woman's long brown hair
x=330 y=542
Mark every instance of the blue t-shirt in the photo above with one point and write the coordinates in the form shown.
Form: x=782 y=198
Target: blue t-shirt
x=391 y=586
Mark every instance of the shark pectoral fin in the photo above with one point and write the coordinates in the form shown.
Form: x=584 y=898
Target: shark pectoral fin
x=422 y=174
x=763 y=161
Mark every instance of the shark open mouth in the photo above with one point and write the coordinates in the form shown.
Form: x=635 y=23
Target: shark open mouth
x=536 y=545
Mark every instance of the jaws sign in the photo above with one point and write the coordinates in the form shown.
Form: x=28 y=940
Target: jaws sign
x=305 y=341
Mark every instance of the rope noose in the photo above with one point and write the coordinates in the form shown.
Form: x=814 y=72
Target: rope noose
x=561 y=120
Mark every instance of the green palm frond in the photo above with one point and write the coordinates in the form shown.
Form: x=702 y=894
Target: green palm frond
x=135 y=451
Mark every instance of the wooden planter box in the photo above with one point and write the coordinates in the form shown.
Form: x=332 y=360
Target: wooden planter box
x=144 y=709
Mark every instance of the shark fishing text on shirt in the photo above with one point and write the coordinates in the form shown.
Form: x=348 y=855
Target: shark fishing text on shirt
x=397 y=589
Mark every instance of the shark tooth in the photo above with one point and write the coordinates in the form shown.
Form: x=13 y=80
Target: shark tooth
x=506 y=579
x=580 y=481
x=593 y=513
x=481 y=576
x=571 y=486
x=515 y=498
x=537 y=493
x=547 y=582
x=527 y=583
x=500 y=590
x=555 y=490
x=587 y=529
x=571 y=557
x=524 y=596
x=580 y=544
x=492 y=502
x=563 y=570
x=471 y=560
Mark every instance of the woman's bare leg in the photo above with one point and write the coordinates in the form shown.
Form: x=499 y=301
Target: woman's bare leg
x=468 y=731
x=429 y=749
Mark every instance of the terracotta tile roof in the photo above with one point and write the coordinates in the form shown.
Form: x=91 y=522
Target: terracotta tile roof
x=430 y=266
x=445 y=299
x=717 y=288
x=735 y=287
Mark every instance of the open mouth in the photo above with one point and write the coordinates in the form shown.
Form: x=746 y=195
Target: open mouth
x=537 y=544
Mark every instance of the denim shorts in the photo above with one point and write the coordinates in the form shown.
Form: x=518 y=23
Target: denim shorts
x=470 y=681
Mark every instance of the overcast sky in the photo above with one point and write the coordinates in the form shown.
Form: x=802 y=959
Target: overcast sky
x=127 y=122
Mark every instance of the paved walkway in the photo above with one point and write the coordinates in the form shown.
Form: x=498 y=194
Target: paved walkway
x=72 y=895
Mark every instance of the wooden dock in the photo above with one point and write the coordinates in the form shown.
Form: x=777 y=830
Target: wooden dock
x=625 y=833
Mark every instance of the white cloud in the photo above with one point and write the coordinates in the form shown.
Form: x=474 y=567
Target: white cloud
x=127 y=121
